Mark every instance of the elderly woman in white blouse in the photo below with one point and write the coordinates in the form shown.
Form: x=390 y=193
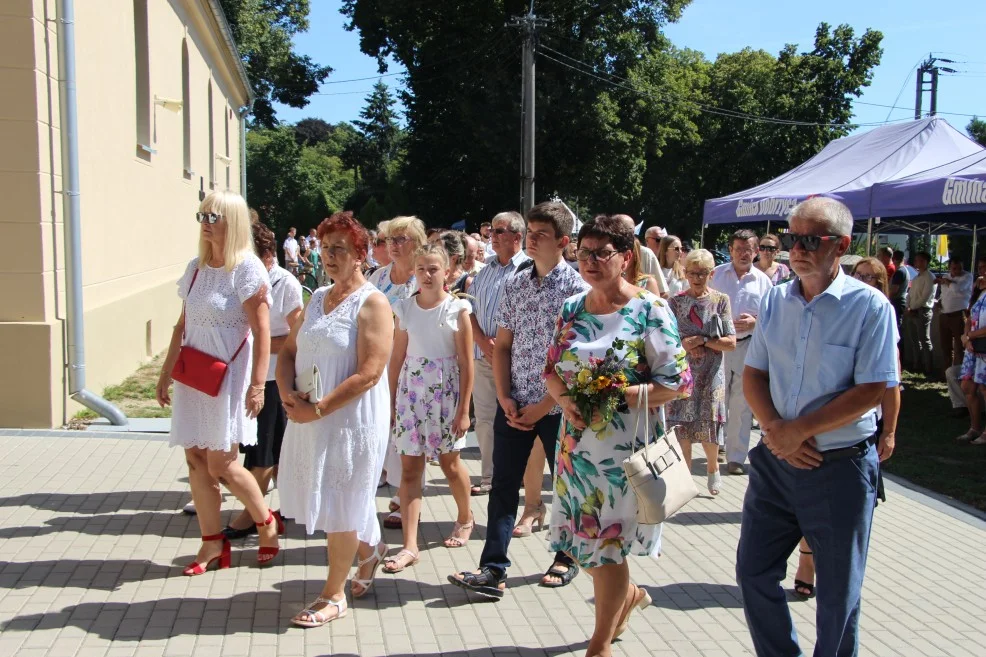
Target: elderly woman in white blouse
x=226 y=316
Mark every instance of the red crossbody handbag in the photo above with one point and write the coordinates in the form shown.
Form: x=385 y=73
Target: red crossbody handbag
x=197 y=369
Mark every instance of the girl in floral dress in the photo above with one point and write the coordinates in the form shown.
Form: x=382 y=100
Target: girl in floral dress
x=431 y=377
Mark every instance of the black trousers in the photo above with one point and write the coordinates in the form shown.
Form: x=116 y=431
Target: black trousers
x=511 y=449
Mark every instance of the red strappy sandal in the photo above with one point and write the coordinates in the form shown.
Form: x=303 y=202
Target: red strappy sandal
x=266 y=555
x=195 y=568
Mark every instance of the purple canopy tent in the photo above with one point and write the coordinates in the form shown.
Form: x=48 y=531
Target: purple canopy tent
x=847 y=169
x=951 y=193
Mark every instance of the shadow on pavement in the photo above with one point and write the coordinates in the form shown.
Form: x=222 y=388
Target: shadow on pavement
x=706 y=518
x=695 y=595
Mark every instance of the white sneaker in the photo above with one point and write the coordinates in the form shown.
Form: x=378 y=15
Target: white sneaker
x=189 y=508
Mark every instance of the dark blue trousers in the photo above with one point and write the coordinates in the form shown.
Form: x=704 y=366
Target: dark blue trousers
x=832 y=507
x=511 y=449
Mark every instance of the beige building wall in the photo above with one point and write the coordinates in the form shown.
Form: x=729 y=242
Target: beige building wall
x=137 y=204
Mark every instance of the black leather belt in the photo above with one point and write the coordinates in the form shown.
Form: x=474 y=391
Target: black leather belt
x=847 y=452
x=738 y=340
x=953 y=313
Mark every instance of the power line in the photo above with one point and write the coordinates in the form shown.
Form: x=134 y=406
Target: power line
x=713 y=109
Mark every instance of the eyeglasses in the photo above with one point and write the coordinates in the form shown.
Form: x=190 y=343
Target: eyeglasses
x=810 y=243
x=207 y=217
x=501 y=231
x=398 y=241
x=335 y=251
x=768 y=249
x=866 y=278
x=698 y=274
x=599 y=255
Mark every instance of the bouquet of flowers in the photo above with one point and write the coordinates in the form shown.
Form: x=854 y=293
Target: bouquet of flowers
x=598 y=388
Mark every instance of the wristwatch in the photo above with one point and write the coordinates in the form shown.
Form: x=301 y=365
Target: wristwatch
x=318 y=411
x=705 y=339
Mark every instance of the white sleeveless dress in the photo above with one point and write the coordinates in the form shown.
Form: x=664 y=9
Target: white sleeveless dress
x=327 y=478
x=215 y=323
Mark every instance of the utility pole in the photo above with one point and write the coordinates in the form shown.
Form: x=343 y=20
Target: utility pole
x=927 y=80
x=529 y=25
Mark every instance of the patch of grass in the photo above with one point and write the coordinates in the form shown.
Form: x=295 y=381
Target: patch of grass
x=927 y=453
x=135 y=395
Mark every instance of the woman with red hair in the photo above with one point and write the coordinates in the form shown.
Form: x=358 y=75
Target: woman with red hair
x=334 y=445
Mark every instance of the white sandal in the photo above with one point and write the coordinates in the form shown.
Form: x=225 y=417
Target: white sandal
x=379 y=553
x=317 y=617
x=715 y=481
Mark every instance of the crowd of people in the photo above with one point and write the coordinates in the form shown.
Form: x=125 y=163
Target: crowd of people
x=376 y=375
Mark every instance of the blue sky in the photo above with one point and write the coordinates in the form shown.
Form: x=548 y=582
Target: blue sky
x=714 y=26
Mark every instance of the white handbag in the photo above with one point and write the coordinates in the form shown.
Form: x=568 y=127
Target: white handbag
x=657 y=473
x=310 y=383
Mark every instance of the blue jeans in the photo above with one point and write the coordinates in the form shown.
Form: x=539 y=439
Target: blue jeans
x=511 y=449
x=832 y=507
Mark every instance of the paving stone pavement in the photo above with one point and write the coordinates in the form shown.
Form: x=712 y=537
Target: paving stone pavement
x=92 y=541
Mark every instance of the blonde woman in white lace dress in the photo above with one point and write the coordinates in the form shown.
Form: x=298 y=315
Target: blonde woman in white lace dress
x=227 y=297
x=334 y=448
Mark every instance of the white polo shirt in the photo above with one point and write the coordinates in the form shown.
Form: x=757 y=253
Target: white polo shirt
x=744 y=293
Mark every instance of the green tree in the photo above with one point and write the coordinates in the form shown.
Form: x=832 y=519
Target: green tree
x=380 y=132
x=294 y=185
x=312 y=131
x=814 y=87
x=263 y=30
x=977 y=130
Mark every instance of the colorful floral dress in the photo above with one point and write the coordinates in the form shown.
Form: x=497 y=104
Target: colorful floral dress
x=974 y=365
x=701 y=417
x=428 y=387
x=594 y=517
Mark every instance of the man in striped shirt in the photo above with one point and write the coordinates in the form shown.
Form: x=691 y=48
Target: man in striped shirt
x=487 y=291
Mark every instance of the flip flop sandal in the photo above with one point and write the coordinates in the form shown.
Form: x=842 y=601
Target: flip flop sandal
x=317 y=618
x=566 y=576
x=393 y=521
x=400 y=561
x=395 y=503
x=641 y=602
x=484 y=583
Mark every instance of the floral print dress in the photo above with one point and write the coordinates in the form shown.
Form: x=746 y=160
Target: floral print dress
x=428 y=386
x=594 y=517
x=702 y=417
x=973 y=364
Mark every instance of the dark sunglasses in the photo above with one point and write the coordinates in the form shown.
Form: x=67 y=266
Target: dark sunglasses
x=599 y=255
x=769 y=249
x=501 y=231
x=808 y=242
x=207 y=217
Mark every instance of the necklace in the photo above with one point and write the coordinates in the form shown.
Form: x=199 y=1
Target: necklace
x=332 y=303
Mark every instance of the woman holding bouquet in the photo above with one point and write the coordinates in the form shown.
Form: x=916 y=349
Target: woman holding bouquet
x=705 y=323
x=594 y=519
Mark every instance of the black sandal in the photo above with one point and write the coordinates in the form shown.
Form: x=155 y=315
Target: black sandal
x=566 y=576
x=234 y=534
x=798 y=584
x=485 y=583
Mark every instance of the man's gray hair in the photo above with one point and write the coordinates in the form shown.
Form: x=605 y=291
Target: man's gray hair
x=515 y=222
x=834 y=214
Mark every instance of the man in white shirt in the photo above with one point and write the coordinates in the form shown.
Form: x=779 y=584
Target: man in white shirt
x=291 y=251
x=955 y=292
x=474 y=249
x=920 y=301
x=648 y=261
x=745 y=285
x=653 y=237
x=313 y=240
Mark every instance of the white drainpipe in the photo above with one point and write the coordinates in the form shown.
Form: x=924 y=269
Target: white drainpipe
x=72 y=217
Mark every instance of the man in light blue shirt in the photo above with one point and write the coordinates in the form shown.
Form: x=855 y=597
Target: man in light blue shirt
x=821 y=357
